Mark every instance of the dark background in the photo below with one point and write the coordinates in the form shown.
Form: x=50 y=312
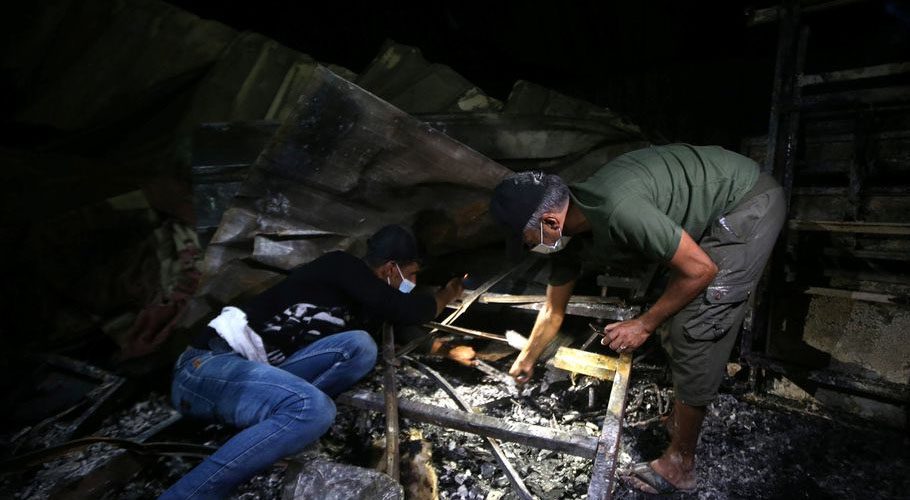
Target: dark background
x=688 y=70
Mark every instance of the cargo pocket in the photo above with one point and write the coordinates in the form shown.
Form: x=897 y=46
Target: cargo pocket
x=720 y=308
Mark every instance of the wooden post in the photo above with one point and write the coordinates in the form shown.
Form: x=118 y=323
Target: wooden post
x=391 y=401
x=601 y=486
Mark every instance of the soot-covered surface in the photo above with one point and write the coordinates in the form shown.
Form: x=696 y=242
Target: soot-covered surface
x=745 y=451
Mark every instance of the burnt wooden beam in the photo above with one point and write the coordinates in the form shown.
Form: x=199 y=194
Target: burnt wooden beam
x=866 y=254
x=852 y=74
x=466 y=331
x=602 y=475
x=880 y=298
x=390 y=390
x=885 y=228
x=879 y=389
x=483 y=425
x=505 y=298
x=771 y=14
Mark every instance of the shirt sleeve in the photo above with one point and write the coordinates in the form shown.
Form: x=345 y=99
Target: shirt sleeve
x=640 y=226
x=380 y=300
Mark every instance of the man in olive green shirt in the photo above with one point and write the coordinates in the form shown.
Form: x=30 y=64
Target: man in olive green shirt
x=704 y=212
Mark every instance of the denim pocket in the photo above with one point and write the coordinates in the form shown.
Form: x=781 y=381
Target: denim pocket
x=718 y=311
x=188 y=389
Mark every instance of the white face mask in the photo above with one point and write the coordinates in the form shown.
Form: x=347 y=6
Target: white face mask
x=558 y=245
x=406 y=285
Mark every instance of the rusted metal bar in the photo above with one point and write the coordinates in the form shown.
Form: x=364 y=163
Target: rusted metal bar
x=517 y=484
x=590 y=310
x=506 y=298
x=601 y=486
x=466 y=303
x=536 y=436
x=391 y=402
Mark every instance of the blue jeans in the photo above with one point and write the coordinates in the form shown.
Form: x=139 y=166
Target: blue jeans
x=281 y=409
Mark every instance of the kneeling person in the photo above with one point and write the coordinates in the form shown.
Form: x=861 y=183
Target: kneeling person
x=273 y=365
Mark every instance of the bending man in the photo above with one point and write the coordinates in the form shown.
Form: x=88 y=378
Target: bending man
x=705 y=213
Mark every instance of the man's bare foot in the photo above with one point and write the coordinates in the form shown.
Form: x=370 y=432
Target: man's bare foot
x=657 y=479
x=676 y=471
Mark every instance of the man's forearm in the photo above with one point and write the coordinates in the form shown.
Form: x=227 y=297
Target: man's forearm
x=680 y=291
x=545 y=328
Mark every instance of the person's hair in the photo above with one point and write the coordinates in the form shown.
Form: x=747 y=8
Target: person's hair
x=375 y=261
x=391 y=243
x=555 y=195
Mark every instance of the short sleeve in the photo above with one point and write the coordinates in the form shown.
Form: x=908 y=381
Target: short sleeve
x=640 y=226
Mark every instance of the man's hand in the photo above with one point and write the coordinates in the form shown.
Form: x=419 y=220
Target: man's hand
x=625 y=336
x=453 y=289
x=522 y=369
x=462 y=354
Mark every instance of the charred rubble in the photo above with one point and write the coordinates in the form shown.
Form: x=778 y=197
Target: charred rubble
x=159 y=229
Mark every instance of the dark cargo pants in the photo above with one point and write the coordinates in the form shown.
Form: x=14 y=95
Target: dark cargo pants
x=701 y=336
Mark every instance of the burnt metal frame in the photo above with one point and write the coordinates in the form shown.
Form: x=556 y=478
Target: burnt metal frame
x=607 y=445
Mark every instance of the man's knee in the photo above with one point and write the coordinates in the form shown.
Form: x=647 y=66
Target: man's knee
x=362 y=351
x=313 y=409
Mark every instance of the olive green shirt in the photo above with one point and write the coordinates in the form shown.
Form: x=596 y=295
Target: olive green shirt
x=639 y=203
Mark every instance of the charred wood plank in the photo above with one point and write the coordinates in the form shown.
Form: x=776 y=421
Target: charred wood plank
x=608 y=445
x=880 y=298
x=892 y=228
x=466 y=331
x=390 y=389
x=505 y=298
x=879 y=389
x=483 y=425
x=852 y=74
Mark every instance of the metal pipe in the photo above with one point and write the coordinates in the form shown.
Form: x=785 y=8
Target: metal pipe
x=517 y=484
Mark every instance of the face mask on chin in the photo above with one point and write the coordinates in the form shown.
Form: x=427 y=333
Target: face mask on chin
x=406 y=285
x=559 y=244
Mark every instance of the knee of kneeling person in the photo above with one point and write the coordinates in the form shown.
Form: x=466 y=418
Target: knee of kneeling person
x=315 y=411
x=364 y=350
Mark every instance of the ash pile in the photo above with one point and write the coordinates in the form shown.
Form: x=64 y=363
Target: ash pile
x=745 y=451
x=77 y=431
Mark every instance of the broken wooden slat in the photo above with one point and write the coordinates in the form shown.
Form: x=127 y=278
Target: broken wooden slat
x=601 y=486
x=483 y=425
x=586 y=363
x=466 y=331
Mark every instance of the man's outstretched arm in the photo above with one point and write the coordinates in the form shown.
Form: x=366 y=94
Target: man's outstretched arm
x=549 y=319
